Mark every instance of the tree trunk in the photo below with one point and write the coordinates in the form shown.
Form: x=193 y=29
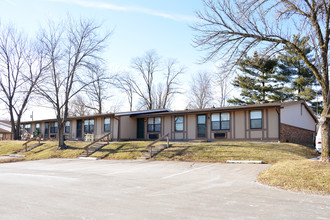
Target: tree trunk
x=61 y=144
x=325 y=129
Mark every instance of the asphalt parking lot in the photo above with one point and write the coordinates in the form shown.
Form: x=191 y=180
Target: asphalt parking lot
x=84 y=189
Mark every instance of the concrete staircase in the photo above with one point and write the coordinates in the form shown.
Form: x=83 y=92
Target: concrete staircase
x=97 y=146
x=155 y=150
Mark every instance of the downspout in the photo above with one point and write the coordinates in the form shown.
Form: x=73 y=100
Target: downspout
x=118 y=132
x=278 y=110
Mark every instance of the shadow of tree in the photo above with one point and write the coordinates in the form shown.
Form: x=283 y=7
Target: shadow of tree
x=111 y=151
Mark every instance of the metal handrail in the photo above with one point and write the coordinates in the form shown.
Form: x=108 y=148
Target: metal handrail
x=159 y=139
x=108 y=140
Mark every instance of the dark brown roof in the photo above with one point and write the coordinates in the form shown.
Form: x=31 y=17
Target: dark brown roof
x=219 y=109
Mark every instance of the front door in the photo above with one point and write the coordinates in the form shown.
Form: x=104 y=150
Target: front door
x=140 y=128
x=79 y=128
x=201 y=125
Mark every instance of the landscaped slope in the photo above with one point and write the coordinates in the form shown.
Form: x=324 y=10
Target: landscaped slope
x=223 y=151
x=302 y=175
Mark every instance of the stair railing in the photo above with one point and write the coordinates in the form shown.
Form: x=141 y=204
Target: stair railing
x=28 y=141
x=151 y=145
x=101 y=138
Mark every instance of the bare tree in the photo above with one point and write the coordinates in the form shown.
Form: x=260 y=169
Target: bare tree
x=98 y=90
x=222 y=82
x=21 y=66
x=146 y=67
x=200 y=93
x=77 y=106
x=166 y=91
x=72 y=47
x=125 y=83
x=232 y=28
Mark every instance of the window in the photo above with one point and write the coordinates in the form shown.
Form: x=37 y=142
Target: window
x=107 y=124
x=53 y=127
x=178 y=121
x=256 y=119
x=154 y=124
x=27 y=128
x=38 y=128
x=89 y=126
x=220 y=121
x=67 y=127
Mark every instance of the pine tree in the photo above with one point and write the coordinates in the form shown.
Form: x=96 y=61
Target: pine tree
x=257 y=81
x=300 y=77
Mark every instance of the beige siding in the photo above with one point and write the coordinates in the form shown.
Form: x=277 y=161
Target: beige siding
x=166 y=125
x=115 y=129
x=297 y=115
x=239 y=125
x=128 y=127
x=273 y=123
x=191 y=127
x=98 y=126
x=256 y=134
x=73 y=128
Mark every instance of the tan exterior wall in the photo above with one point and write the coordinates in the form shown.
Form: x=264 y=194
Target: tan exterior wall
x=167 y=126
x=191 y=127
x=115 y=129
x=273 y=129
x=128 y=128
x=239 y=125
x=297 y=115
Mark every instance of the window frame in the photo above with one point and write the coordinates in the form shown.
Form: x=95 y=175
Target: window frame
x=151 y=127
x=38 y=127
x=89 y=125
x=176 y=123
x=66 y=131
x=256 y=119
x=106 y=125
x=53 y=128
x=220 y=121
x=27 y=127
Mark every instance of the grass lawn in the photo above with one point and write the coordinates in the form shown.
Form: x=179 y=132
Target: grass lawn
x=223 y=151
x=49 y=150
x=10 y=147
x=122 y=150
x=301 y=175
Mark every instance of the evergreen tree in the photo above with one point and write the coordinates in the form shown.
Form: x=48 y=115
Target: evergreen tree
x=300 y=77
x=257 y=81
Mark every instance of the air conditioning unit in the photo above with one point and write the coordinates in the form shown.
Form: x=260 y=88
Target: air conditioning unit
x=220 y=135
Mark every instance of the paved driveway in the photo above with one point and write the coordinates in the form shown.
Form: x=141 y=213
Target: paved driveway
x=81 y=189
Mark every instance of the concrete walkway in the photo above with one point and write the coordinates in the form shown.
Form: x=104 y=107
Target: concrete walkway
x=84 y=189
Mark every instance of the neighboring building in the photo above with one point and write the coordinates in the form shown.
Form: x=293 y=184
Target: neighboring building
x=5 y=130
x=286 y=122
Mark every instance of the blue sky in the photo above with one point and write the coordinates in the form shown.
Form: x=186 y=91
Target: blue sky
x=139 y=25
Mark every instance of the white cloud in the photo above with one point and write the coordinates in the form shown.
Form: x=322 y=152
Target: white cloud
x=108 y=6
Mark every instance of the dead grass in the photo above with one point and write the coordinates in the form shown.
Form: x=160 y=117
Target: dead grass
x=223 y=151
x=302 y=175
x=10 y=147
x=49 y=150
x=122 y=150
x=11 y=160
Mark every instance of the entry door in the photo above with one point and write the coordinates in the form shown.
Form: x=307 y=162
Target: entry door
x=140 y=128
x=79 y=128
x=46 y=135
x=201 y=125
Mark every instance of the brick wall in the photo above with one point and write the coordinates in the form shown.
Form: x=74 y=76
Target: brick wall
x=296 y=135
